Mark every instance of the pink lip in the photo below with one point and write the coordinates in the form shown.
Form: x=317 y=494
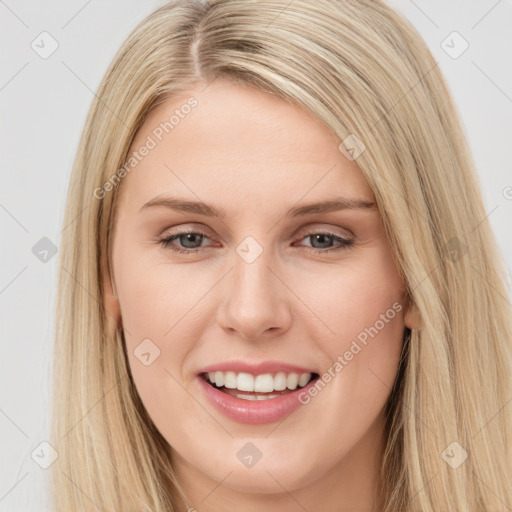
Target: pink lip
x=255 y=369
x=257 y=411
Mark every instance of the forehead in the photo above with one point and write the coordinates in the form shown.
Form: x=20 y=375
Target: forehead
x=228 y=138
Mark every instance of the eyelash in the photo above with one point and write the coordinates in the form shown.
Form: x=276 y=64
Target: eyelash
x=345 y=243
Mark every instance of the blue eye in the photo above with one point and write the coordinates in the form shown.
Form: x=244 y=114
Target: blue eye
x=344 y=243
x=191 y=238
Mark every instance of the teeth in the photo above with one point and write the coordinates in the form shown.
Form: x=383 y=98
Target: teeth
x=292 y=381
x=219 y=379
x=280 y=381
x=304 y=379
x=230 y=380
x=256 y=397
x=245 y=382
x=265 y=383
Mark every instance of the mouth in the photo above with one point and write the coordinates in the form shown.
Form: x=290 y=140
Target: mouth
x=250 y=387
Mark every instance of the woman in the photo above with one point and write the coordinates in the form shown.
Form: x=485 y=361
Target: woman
x=280 y=289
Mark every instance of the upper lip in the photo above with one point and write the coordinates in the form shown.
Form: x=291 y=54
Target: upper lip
x=256 y=368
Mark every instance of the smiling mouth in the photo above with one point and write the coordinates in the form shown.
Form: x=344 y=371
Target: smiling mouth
x=258 y=395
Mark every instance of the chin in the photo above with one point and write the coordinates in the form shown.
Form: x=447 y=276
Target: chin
x=265 y=477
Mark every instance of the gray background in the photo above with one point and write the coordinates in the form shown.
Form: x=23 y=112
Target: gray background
x=44 y=102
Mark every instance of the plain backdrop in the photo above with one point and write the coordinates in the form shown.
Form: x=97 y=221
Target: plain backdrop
x=44 y=101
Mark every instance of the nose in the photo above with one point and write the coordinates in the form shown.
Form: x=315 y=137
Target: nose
x=256 y=301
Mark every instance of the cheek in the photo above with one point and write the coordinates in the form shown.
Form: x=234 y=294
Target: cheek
x=157 y=298
x=353 y=296
x=160 y=325
x=359 y=327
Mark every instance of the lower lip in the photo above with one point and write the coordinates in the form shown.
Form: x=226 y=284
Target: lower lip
x=254 y=411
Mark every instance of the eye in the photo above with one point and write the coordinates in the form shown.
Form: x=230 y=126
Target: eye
x=192 y=241
x=324 y=238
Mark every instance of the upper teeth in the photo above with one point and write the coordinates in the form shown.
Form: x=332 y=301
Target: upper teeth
x=264 y=383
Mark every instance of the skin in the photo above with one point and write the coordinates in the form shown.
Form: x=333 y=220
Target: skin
x=256 y=156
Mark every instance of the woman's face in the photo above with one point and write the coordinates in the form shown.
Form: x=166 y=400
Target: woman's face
x=267 y=286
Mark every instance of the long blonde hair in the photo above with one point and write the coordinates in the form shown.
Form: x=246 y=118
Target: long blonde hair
x=365 y=72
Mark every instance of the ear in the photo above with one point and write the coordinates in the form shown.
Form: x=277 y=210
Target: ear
x=412 y=317
x=112 y=309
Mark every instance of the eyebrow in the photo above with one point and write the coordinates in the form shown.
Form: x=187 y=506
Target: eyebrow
x=208 y=210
